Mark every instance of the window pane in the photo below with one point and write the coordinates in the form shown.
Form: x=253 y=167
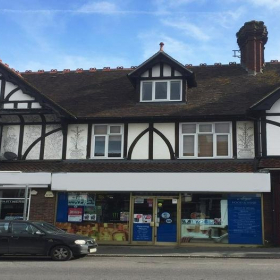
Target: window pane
x=115 y=146
x=99 y=149
x=205 y=128
x=100 y=129
x=222 y=145
x=205 y=145
x=115 y=129
x=188 y=145
x=147 y=90
x=188 y=128
x=23 y=228
x=175 y=90
x=161 y=90
x=222 y=128
x=4 y=227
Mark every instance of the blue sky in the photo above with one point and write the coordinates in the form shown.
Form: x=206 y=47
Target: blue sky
x=59 y=34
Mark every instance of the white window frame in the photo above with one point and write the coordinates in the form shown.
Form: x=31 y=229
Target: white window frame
x=106 y=140
x=195 y=156
x=154 y=90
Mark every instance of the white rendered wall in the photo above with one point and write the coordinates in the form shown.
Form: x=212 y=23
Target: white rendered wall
x=275 y=108
x=160 y=148
x=77 y=141
x=19 y=96
x=273 y=137
x=141 y=149
x=166 y=70
x=156 y=71
x=273 y=131
x=8 y=88
x=176 y=73
x=10 y=139
x=32 y=133
x=53 y=143
x=145 y=74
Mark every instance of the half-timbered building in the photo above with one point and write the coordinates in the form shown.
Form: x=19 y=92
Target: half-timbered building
x=162 y=153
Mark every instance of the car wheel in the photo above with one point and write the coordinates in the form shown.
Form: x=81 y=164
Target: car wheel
x=61 y=253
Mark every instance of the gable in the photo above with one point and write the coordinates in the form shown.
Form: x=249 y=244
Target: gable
x=162 y=65
x=14 y=98
x=268 y=101
x=161 y=70
x=17 y=94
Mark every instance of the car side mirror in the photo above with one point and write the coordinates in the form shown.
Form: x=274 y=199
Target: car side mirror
x=38 y=232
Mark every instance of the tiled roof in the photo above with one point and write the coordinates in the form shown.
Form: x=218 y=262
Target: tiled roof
x=269 y=163
x=131 y=166
x=221 y=90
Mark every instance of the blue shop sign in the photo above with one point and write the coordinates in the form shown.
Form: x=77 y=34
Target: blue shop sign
x=142 y=232
x=244 y=219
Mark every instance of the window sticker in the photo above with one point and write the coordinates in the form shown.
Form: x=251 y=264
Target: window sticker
x=165 y=215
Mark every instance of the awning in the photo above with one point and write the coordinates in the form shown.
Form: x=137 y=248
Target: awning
x=162 y=182
x=21 y=180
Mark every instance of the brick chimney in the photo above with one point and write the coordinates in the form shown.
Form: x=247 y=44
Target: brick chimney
x=251 y=39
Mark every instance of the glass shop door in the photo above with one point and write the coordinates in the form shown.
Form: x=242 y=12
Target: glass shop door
x=143 y=220
x=166 y=220
x=154 y=220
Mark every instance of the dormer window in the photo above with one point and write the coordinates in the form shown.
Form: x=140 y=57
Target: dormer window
x=161 y=90
x=161 y=78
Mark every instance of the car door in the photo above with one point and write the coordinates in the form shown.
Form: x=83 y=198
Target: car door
x=24 y=239
x=4 y=237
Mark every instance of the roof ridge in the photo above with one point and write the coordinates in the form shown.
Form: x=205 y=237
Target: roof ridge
x=121 y=68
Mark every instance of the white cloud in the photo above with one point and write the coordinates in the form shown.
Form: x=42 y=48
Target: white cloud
x=99 y=7
x=189 y=28
x=177 y=49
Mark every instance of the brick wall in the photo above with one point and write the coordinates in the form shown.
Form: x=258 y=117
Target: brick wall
x=42 y=208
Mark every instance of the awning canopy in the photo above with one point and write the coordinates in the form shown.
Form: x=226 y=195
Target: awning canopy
x=21 y=180
x=162 y=182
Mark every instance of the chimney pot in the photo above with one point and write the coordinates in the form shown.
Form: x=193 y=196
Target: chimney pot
x=251 y=39
x=161 y=46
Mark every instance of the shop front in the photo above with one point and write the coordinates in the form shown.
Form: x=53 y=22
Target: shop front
x=152 y=217
x=15 y=193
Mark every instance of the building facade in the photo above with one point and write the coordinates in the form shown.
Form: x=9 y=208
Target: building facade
x=162 y=153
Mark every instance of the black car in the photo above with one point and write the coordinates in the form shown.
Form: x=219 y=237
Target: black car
x=41 y=238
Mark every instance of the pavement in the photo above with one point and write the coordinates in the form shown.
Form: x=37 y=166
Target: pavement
x=188 y=252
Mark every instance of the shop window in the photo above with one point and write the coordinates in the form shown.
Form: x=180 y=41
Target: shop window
x=205 y=140
x=204 y=218
x=12 y=204
x=107 y=141
x=99 y=215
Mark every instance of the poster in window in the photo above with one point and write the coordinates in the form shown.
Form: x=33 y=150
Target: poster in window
x=75 y=199
x=138 y=218
x=89 y=213
x=124 y=216
x=75 y=214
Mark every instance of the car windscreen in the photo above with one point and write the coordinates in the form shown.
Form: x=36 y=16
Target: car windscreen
x=49 y=228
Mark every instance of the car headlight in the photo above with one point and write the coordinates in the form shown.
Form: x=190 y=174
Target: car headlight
x=80 y=242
